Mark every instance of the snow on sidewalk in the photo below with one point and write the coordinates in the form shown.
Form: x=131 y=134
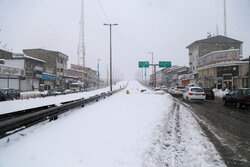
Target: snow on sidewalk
x=127 y=130
x=17 y=105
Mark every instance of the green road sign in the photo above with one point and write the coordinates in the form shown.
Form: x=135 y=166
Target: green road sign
x=143 y=64
x=164 y=63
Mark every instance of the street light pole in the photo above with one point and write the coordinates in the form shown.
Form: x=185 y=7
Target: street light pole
x=152 y=54
x=98 y=72
x=110 y=31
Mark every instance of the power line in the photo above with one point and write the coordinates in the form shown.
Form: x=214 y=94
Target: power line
x=119 y=34
x=129 y=42
x=103 y=11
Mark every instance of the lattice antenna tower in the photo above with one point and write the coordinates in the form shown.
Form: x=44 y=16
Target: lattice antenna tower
x=81 y=46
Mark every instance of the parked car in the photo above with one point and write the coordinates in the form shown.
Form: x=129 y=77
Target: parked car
x=10 y=93
x=164 y=88
x=171 y=90
x=238 y=97
x=53 y=91
x=3 y=97
x=178 y=90
x=209 y=93
x=194 y=93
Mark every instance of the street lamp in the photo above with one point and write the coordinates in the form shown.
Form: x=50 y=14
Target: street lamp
x=98 y=72
x=110 y=28
x=152 y=54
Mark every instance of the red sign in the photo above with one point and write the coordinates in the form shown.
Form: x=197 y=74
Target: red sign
x=77 y=67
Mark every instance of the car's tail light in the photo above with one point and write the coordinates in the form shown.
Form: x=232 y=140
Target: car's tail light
x=176 y=89
x=190 y=93
x=203 y=94
x=247 y=99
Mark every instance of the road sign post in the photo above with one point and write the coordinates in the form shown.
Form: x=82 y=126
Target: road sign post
x=162 y=64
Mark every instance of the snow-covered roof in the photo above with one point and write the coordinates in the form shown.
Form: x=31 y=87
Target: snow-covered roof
x=21 y=56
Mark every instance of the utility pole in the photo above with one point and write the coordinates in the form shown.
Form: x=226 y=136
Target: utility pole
x=152 y=54
x=225 y=19
x=249 y=72
x=110 y=32
x=98 y=72
x=81 y=46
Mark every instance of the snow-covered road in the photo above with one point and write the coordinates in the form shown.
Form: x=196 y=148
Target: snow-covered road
x=132 y=130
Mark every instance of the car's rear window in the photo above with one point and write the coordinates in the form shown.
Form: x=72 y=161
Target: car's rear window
x=180 y=87
x=196 y=90
x=207 y=89
x=246 y=91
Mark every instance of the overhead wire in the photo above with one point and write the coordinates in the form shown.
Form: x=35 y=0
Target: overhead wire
x=119 y=34
x=103 y=11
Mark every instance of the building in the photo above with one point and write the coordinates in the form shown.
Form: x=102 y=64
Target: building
x=20 y=71
x=175 y=75
x=55 y=68
x=202 y=47
x=223 y=69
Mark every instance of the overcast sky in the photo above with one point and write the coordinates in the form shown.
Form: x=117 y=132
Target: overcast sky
x=164 y=27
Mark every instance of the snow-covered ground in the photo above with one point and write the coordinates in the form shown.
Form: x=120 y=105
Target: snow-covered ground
x=16 y=105
x=125 y=130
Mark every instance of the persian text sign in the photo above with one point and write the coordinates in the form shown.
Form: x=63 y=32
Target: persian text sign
x=164 y=63
x=143 y=64
x=219 y=56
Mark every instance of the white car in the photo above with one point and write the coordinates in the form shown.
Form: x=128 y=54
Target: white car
x=178 y=90
x=194 y=93
x=171 y=90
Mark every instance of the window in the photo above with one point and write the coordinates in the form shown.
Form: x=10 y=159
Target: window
x=232 y=92
x=238 y=92
x=246 y=91
x=61 y=69
x=196 y=90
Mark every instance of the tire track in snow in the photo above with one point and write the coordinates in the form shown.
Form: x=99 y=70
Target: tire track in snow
x=168 y=140
x=179 y=142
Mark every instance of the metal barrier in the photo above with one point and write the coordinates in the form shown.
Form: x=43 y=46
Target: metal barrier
x=13 y=122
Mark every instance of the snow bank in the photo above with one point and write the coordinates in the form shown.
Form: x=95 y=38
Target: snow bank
x=31 y=94
x=220 y=93
x=16 y=105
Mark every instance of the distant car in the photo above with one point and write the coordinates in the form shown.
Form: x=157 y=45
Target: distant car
x=209 y=93
x=10 y=93
x=178 y=90
x=171 y=90
x=164 y=88
x=194 y=93
x=238 y=97
x=53 y=91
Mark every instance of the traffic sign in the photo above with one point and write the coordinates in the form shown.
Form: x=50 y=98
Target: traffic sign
x=164 y=63
x=143 y=64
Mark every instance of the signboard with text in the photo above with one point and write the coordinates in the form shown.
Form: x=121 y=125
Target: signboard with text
x=143 y=64
x=219 y=56
x=164 y=63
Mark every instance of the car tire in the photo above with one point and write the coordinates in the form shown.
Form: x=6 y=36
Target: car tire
x=225 y=102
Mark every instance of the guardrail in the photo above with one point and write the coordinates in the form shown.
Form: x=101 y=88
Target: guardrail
x=13 y=122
